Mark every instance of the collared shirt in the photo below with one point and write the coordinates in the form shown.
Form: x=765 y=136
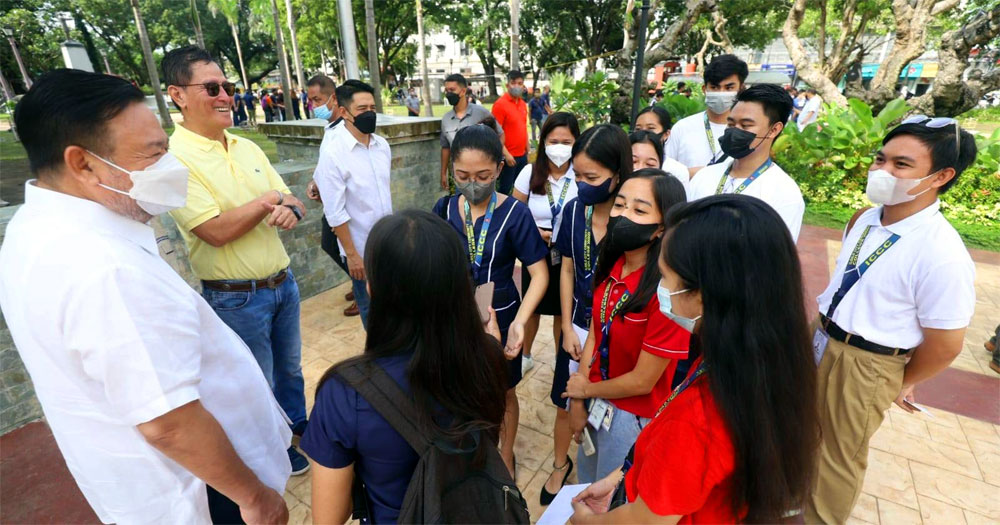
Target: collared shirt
x=688 y=142
x=570 y=242
x=222 y=180
x=353 y=180
x=773 y=186
x=511 y=113
x=413 y=102
x=539 y=204
x=925 y=280
x=677 y=170
x=450 y=123
x=112 y=337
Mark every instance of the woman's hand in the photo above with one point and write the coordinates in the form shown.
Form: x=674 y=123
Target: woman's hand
x=577 y=419
x=515 y=340
x=546 y=236
x=491 y=324
x=571 y=342
x=576 y=387
x=596 y=498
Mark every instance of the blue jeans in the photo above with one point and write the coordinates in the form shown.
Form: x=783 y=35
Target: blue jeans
x=361 y=297
x=612 y=446
x=268 y=322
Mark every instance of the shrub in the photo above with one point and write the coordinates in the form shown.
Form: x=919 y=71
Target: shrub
x=589 y=98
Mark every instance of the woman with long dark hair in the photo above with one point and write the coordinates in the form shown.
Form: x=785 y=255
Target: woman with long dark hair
x=426 y=333
x=656 y=120
x=497 y=231
x=737 y=439
x=546 y=185
x=632 y=348
x=647 y=150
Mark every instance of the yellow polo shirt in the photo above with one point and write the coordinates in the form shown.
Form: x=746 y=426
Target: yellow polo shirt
x=220 y=181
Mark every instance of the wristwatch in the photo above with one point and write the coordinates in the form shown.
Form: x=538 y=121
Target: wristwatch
x=295 y=211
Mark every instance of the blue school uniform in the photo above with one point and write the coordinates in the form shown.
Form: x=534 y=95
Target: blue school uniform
x=512 y=235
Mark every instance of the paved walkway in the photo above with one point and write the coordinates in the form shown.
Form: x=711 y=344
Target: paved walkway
x=922 y=469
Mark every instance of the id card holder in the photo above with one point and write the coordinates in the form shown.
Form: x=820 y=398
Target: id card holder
x=555 y=257
x=820 y=340
x=597 y=411
x=609 y=415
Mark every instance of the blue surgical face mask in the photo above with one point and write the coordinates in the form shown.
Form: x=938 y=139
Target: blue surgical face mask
x=590 y=195
x=666 y=308
x=323 y=112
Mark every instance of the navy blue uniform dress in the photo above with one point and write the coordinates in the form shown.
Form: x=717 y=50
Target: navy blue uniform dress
x=512 y=235
x=571 y=241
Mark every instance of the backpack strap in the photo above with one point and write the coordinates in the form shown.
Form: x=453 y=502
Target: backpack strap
x=389 y=400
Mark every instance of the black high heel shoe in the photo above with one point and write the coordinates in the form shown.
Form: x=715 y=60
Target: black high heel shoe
x=546 y=497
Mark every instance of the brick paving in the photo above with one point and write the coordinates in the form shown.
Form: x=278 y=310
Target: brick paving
x=940 y=469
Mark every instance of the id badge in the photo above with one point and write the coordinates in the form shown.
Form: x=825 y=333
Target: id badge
x=820 y=340
x=609 y=415
x=554 y=256
x=597 y=411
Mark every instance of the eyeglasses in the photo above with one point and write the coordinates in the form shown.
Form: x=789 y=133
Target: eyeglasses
x=937 y=123
x=212 y=88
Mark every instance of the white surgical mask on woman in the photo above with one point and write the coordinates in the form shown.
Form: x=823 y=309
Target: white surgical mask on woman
x=559 y=154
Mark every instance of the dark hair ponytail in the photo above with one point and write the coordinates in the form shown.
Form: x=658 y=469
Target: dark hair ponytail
x=481 y=138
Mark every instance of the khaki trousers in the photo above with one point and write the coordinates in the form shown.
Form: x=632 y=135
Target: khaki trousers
x=855 y=388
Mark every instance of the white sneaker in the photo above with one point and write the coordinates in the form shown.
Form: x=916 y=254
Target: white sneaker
x=527 y=363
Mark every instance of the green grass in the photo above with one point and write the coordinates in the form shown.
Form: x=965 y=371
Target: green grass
x=10 y=149
x=266 y=144
x=832 y=216
x=439 y=109
x=983 y=120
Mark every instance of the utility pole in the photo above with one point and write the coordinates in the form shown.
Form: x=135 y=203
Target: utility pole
x=348 y=38
x=373 y=68
x=426 y=91
x=515 y=34
x=9 y=33
x=639 y=57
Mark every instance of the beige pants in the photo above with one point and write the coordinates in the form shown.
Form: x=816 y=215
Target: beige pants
x=855 y=388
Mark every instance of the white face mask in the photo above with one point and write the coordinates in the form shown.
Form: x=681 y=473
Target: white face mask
x=559 y=154
x=885 y=188
x=159 y=188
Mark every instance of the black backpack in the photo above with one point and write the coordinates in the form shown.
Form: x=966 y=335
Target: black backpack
x=446 y=486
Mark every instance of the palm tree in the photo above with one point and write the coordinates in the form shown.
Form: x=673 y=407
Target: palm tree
x=286 y=83
x=423 y=60
x=154 y=77
x=230 y=10
x=299 y=75
x=197 y=24
x=372 y=52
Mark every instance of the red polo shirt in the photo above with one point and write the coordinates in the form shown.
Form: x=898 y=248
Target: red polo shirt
x=684 y=460
x=644 y=331
x=512 y=115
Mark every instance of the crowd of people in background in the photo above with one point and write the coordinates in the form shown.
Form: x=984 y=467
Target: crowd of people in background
x=699 y=384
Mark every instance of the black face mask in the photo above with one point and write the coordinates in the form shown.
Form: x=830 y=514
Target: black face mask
x=624 y=235
x=736 y=142
x=453 y=98
x=365 y=122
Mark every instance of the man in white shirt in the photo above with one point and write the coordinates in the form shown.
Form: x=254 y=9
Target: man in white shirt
x=353 y=180
x=759 y=116
x=694 y=140
x=150 y=396
x=810 y=111
x=895 y=312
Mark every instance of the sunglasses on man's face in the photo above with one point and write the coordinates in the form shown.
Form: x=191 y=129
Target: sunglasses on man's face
x=212 y=88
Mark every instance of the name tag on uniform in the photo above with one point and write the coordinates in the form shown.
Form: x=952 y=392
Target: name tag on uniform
x=597 y=411
x=554 y=256
x=820 y=340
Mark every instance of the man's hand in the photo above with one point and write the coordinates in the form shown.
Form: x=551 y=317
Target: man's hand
x=266 y=507
x=571 y=343
x=355 y=266
x=313 y=192
x=292 y=200
x=282 y=217
x=508 y=159
x=907 y=394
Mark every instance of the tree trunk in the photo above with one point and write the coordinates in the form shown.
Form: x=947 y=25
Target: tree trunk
x=515 y=34
x=239 y=54
x=154 y=77
x=286 y=83
x=373 y=67
x=88 y=43
x=299 y=74
x=664 y=49
x=489 y=63
x=804 y=68
x=426 y=91
x=197 y=24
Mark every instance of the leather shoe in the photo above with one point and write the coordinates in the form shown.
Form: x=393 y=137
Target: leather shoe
x=349 y=296
x=352 y=310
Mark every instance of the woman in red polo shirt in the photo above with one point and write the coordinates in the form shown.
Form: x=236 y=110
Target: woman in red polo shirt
x=736 y=441
x=632 y=349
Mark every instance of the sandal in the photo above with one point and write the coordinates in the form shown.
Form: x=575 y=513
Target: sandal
x=546 y=497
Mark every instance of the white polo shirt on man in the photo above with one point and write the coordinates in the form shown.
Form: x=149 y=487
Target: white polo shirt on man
x=689 y=144
x=924 y=280
x=353 y=181
x=773 y=186
x=112 y=337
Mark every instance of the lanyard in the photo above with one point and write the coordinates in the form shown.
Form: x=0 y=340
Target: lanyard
x=587 y=233
x=710 y=135
x=556 y=207
x=605 y=349
x=753 y=176
x=476 y=249
x=854 y=271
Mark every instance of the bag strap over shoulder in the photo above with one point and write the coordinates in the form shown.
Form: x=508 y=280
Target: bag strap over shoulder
x=391 y=402
x=854 y=219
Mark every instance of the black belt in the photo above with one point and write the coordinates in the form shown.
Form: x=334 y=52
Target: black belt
x=839 y=334
x=247 y=286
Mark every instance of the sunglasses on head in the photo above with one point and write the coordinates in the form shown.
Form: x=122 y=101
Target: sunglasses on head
x=937 y=123
x=212 y=88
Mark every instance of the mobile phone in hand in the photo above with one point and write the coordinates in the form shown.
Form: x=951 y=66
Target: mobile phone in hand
x=484 y=298
x=917 y=407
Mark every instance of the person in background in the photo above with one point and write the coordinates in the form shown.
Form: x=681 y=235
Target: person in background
x=293 y=99
x=497 y=231
x=694 y=140
x=681 y=86
x=797 y=103
x=249 y=100
x=632 y=348
x=811 y=108
x=136 y=375
x=546 y=186
x=322 y=93
x=646 y=150
x=267 y=105
x=601 y=162
x=306 y=107
x=656 y=119
x=413 y=103
x=352 y=177
x=462 y=114
x=536 y=106
x=895 y=312
x=511 y=113
x=278 y=101
x=759 y=116
x=236 y=203
x=455 y=372
x=736 y=441
x=547 y=100
x=241 y=110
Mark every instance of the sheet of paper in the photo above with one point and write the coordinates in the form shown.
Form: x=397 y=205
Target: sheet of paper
x=561 y=508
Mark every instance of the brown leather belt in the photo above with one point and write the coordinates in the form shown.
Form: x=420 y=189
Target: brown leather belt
x=247 y=286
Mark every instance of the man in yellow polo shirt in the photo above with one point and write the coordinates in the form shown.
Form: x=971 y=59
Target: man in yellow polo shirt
x=236 y=203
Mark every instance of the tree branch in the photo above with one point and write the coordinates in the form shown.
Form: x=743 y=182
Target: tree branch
x=807 y=71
